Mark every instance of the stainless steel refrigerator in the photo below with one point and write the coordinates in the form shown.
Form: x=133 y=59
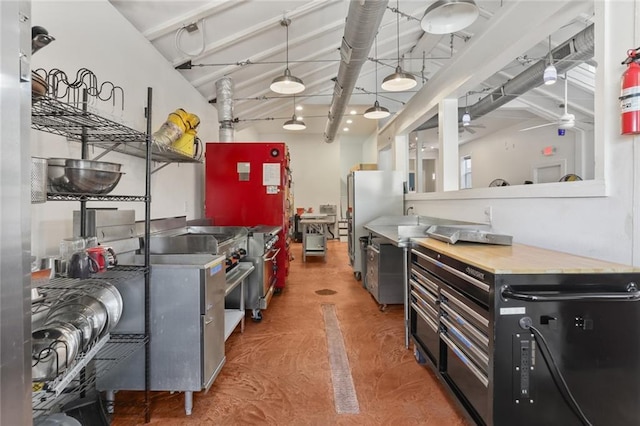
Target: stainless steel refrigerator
x=370 y=194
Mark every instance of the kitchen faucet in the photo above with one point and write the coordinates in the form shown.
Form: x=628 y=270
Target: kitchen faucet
x=406 y=213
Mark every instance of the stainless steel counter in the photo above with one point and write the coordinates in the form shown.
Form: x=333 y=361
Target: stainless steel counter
x=398 y=230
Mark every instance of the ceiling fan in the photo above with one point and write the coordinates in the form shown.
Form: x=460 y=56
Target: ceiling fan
x=469 y=128
x=565 y=121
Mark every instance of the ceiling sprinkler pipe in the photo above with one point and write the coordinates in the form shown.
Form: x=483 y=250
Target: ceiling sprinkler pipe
x=224 y=103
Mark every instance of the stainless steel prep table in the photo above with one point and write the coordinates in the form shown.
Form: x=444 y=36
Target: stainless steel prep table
x=398 y=230
x=314 y=234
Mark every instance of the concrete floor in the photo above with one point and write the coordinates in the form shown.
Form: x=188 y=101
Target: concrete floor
x=278 y=371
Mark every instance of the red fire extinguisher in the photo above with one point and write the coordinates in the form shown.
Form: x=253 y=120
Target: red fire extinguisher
x=630 y=94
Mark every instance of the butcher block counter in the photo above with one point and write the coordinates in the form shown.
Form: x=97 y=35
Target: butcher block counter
x=521 y=259
x=500 y=324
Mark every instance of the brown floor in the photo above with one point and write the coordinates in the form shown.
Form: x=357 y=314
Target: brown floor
x=278 y=371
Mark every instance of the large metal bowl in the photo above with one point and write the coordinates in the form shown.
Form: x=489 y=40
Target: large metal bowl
x=109 y=296
x=92 y=164
x=82 y=181
x=53 y=349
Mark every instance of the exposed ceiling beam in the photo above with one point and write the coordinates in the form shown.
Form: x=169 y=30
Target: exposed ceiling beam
x=194 y=15
x=274 y=51
x=255 y=30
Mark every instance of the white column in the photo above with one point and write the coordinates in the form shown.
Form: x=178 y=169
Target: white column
x=448 y=174
x=401 y=154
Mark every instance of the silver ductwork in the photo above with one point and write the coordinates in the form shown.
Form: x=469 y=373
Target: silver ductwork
x=224 y=103
x=362 y=24
x=566 y=56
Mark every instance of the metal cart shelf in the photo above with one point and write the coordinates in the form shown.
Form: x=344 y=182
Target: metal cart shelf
x=314 y=235
x=234 y=315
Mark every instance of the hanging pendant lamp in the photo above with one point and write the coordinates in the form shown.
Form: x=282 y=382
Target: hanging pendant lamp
x=449 y=16
x=376 y=112
x=466 y=117
x=550 y=74
x=295 y=123
x=287 y=84
x=399 y=80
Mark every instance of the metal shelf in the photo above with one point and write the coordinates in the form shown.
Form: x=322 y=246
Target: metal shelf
x=107 y=352
x=55 y=290
x=51 y=196
x=60 y=118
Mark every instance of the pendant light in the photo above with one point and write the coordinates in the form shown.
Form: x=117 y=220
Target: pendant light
x=399 y=80
x=287 y=84
x=449 y=16
x=466 y=117
x=294 y=123
x=550 y=75
x=376 y=112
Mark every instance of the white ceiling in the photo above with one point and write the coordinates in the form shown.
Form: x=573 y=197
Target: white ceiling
x=243 y=39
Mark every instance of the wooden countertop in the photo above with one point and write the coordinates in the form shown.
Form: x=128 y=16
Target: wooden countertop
x=521 y=259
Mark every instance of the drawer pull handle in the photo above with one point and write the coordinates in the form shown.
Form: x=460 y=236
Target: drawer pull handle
x=483 y=379
x=467 y=278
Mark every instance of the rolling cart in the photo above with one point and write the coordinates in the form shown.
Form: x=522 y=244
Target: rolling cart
x=314 y=234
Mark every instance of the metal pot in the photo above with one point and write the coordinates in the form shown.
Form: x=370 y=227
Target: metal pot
x=91 y=307
x=54 y=348
x=109 y=296
x=76 y=319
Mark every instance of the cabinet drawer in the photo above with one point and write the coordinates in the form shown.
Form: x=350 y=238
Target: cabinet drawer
x=465 y=308
x=465 y=326
x=423 y=280
x=427 y=309
x=470 y=281
x=464 y=343
x=428 y=297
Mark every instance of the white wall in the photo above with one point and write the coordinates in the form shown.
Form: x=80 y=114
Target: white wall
x=512 y=155
x=315 y=167
x=93 y=35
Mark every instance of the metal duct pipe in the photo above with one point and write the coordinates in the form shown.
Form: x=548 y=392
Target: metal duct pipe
x=224 y=103
x=362 y=24
x=566 y=56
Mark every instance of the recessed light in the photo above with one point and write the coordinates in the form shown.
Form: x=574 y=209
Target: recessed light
x=353 y=112
x=346 y=129
x=299 y=108
x=349 y=121
x=299 y=118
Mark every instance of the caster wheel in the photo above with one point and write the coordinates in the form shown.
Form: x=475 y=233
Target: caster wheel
x=382 y=308
x=257 y=316
x=277 y=290
x=357 y=276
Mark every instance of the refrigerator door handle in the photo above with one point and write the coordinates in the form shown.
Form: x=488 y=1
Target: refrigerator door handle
x=632 y=294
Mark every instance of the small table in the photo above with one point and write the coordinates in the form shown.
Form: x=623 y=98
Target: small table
x=314 y=234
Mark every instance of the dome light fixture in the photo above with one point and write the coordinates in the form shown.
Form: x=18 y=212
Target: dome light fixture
x=398 y=81
x=550 y=75
x=466 y=117
x=376 y=112
x=287 y=84
x=449 y=16
x=295 y=123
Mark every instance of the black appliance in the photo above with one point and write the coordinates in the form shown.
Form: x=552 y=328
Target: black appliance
x=530 y=345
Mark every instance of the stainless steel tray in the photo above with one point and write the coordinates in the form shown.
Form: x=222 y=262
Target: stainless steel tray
x=452 y=235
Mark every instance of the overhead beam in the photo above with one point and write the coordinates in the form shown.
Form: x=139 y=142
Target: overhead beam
x=194 y=15
x=255 y=30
